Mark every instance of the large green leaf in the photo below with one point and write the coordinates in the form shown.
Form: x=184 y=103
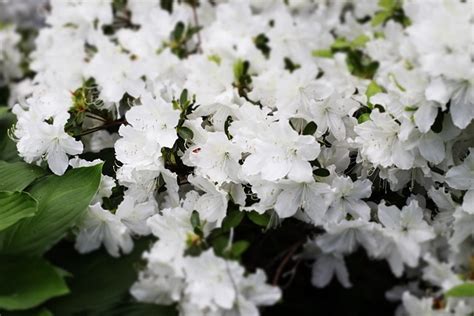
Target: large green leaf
x=17 y=176
x=15 y=206
x=27 y=282
x=462 y=290
x=8 y=150
x=61 y=201
x=101 y=284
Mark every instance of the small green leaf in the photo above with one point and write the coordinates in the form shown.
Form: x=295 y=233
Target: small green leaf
x=411 y=108
x=61 y=202
x=380 y=17
x=388 y=4
x=340 y=43
x=17 y=176
x=215 y=58
x=183 y=97
x=259 y=219
x=239 y=247
x=462 y=290
x=360 y=41
x=363 y=118
x=28 y=282
x=220 y=244
x=15 y=206
x=238 y=69
x=372 y=89
x=324 y=53
x=185 y=133
x=195 y=220
x=321 y=172
x=310 y=128
x=233 y=219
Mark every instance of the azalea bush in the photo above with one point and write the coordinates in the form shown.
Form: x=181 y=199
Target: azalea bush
x=236 y=157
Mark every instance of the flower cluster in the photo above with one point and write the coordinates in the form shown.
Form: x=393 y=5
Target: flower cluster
x=354 y=117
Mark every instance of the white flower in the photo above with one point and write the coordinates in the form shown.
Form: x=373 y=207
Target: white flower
x=327 y=108
x=312 y=197
x=348 y=197
x=282 y=152
x=100 y=226
x=381 y=141
x=461 y=177
x=49 y=141
x=134 y=215
x=419 y=307
x=406 y=231
x=212 y=205
x=345 y=237
x=217 y=158
x=210 y=280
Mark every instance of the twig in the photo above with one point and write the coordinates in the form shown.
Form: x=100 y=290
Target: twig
x=285 y=260
x=98 y=128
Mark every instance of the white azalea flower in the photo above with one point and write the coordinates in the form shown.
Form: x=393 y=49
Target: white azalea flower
x=99 y=226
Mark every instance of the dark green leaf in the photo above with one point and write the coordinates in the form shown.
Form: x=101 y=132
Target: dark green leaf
x=8 y=151
x=195 y=221
x=259 y=219
x=310 y=128
x=183 y=97
x=233 y=219
x=61 y=201
x=185 y=133
x=15 y=206
x=28 y=282
x=321 y=172
x=101 y=284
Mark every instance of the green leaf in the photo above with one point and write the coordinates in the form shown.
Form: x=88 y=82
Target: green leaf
x=15 y=206
x=323 y=53
x=17 y=176
x=239 y=69
x=239 y=247
x=372 y=89
x=101 y=284
x=185 y=133
x=61 y=201
x=388 y=4
x=380 y=17
x=363 y=118
x=340 y=43
x=8 y=151
x=310 y=128
x=360 y=41
x=183 y=97
x=321 y=172
x=28 y=282
x=259 y=219
x=233 y=219
x=462 y=290
x=195 y=221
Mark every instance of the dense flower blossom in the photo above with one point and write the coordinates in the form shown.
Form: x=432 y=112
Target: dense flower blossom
x=353 y=118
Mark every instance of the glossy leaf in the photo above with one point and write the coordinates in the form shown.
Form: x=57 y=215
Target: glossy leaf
x=61 y=201
x=15 y=206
